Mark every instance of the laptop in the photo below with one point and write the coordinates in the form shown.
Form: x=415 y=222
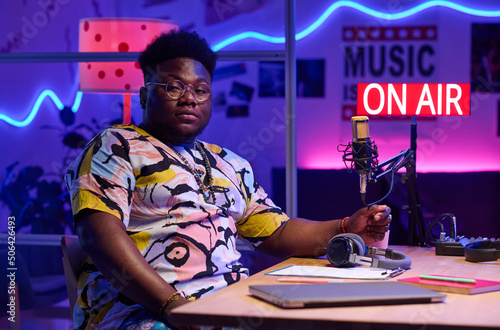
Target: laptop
x=344 y=294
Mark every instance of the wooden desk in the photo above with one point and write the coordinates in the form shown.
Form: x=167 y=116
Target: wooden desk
x=234 y=307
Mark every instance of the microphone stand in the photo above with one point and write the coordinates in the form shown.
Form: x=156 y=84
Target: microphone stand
x=416 y=225
x=407 y=159
x=415 y=215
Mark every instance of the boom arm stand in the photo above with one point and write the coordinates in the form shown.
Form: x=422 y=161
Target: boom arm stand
x=416 y=225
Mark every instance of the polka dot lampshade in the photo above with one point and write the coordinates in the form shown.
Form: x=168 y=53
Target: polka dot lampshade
x=116 y=35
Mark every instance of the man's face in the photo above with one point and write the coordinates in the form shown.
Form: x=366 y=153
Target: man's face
x=180 y=120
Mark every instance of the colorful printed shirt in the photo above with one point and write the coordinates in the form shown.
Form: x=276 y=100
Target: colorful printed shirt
x=126 y=172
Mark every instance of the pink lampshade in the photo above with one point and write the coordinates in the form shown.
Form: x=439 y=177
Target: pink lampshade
x=116 y=35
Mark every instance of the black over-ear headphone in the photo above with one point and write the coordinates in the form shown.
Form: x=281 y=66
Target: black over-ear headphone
x=347 y=250
x=482 y=251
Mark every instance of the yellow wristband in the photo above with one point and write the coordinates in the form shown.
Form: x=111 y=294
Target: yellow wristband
x=170 y=299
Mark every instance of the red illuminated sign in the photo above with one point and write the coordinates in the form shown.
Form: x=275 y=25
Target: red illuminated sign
x=413 y=99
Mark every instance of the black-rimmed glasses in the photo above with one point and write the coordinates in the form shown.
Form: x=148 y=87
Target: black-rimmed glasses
x=176 y=88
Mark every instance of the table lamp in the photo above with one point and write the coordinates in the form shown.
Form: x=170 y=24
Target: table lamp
x=116 y=35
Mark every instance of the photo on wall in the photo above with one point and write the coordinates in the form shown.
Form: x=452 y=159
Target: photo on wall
x=241 y=91
x=237 y=111
x=485 y=58
x=271 y=79
x=310 y=78
x=498 y=119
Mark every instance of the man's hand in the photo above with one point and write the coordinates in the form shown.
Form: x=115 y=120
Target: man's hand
x=371 y=223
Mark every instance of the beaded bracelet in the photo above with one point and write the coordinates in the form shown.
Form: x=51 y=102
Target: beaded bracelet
x=342 y=224
x=170 y=299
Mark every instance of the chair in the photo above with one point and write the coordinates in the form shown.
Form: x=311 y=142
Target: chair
x=73 y=258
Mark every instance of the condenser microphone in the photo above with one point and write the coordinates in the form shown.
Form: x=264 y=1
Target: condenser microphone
x=362 y=151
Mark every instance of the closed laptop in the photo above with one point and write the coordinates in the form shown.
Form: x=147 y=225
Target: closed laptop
x=344 y=294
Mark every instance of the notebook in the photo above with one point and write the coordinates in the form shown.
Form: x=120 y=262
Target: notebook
x=480 y=286
x=344 y=294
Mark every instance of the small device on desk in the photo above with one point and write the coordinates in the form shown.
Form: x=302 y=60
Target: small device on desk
x=474 y=249
x=456 y=246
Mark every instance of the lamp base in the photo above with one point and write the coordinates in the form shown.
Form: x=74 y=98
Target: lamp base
x=127 y=104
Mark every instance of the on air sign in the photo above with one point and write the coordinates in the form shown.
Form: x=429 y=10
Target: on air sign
x=413 y=99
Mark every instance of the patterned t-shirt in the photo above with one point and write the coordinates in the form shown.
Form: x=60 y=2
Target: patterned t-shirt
x=187 y=241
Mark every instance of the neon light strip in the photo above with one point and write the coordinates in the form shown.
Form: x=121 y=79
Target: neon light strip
x=38 y=103
x=363 y=9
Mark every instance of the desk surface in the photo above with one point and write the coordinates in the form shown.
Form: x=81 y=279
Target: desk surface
x=234 y=306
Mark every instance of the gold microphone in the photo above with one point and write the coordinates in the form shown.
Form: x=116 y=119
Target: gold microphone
x=362 y=151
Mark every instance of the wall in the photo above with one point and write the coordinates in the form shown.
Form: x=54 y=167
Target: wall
x=469 y=196
x=444 y=145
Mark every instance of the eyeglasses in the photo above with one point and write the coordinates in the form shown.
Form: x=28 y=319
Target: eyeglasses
x=176 y=88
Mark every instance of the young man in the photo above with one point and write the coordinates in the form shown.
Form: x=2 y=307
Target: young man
x=158 y=211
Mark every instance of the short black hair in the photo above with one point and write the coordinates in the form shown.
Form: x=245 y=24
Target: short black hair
x=177 y=44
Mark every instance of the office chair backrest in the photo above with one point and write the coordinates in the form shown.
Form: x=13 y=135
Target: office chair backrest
x=73 y=258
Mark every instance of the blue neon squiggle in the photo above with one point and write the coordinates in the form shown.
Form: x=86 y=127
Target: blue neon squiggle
x=36 y=107
x=77 y=102
x=363 y=9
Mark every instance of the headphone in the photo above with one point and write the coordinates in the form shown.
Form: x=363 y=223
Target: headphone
x=482 y=251
x=347 y=250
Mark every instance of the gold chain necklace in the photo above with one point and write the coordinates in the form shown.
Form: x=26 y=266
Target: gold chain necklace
x=207 y=191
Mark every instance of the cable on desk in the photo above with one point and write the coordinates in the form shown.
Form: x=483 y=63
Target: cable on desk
x=429 y=235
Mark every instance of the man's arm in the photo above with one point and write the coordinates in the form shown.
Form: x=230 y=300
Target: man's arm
x=301 y=237
x=103 y=237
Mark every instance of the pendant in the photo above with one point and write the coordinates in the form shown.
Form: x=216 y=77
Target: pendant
x=206 y=194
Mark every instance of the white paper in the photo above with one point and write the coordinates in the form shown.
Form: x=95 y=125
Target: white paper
x=364 y=273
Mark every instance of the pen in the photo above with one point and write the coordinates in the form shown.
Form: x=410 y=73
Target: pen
x=448 y=279
x=394 y=272
x=308 y=280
